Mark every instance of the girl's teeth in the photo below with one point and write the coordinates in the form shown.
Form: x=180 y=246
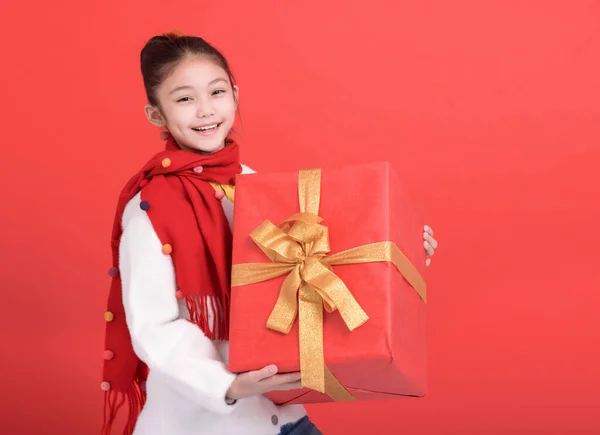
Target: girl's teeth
x=206 y=128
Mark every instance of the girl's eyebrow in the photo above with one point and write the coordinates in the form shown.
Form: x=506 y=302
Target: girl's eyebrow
x=179 y=88
x=219 y=79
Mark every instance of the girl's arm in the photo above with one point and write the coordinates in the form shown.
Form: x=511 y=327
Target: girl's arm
x=171 y=346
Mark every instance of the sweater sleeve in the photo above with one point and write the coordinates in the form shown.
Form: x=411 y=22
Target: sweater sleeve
x=172 y=346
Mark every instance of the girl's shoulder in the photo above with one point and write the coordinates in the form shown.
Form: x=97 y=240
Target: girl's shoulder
x=133 y=211
x=247 y=170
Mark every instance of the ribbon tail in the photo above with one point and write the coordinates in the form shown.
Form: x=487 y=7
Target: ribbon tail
x=284 y=312
x=334 y=293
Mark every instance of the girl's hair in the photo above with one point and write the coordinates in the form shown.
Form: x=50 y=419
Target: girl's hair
x=161 y=54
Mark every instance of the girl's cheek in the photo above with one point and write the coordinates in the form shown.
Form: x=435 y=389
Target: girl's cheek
x=227 y=104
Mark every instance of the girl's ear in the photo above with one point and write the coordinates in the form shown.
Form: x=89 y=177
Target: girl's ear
x=236 y=96
x=154 y=116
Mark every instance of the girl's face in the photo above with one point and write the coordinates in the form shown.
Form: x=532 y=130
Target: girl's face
x=197 y=105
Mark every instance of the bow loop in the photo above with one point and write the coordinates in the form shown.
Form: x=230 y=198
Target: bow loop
x=276 y=244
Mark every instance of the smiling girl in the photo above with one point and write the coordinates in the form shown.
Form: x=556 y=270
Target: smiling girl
x=168 y=307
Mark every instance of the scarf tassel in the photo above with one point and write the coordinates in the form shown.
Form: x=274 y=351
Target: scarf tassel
x=114 y=400
x=199 y=308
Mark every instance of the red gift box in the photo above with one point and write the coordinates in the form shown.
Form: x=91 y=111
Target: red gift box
x=384 y=357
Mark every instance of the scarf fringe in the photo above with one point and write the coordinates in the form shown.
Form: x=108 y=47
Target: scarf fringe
x=114 y=400
x=198 y=308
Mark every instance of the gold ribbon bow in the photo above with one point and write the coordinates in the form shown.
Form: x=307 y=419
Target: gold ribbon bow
x=299 y=246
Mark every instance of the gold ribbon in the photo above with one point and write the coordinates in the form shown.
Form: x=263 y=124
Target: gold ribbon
x=299 y=247
x=228 y=190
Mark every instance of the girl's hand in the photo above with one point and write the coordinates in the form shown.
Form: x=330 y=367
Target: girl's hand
x=261 y=381
x=429 y=242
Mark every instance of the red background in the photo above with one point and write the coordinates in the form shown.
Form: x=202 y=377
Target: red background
x=489 y=111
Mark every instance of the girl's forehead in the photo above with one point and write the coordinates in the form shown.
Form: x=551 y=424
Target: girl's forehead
x=196 y=70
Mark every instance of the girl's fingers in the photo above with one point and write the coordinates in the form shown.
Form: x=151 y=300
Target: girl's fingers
x=431 y=240
x=428 y=249
x=286 y=378
x=277 y=381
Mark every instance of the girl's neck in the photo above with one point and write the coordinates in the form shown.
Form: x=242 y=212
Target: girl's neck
x=201 y=152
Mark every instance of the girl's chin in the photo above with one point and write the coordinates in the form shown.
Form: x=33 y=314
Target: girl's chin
x=204 y=148
x=201 y=143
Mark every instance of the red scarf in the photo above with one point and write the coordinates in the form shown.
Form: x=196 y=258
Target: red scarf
x=191 y=225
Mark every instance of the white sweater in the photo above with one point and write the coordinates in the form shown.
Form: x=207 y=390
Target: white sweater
x=188 y=373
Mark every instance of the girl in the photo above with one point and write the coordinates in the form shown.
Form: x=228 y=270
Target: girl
x=167 y=318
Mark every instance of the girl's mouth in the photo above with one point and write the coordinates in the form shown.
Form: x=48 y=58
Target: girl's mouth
x=207 y=130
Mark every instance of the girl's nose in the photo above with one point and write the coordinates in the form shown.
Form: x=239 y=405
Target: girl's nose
x=205 y=110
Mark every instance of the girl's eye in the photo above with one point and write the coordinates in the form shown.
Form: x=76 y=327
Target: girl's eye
x=184 y=99
x=218 y=91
